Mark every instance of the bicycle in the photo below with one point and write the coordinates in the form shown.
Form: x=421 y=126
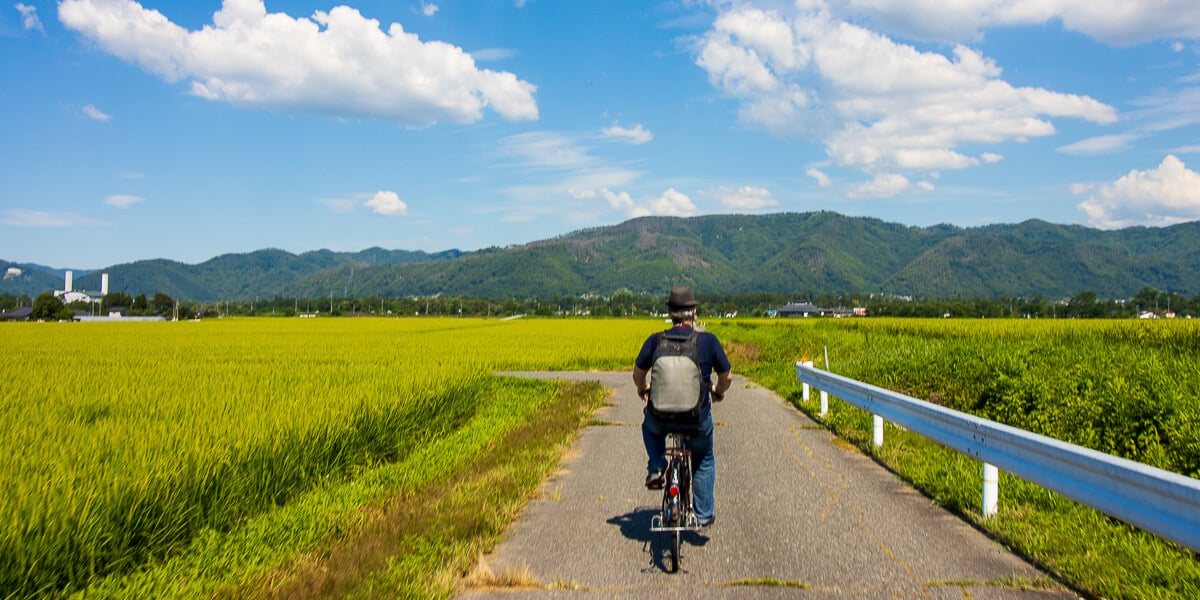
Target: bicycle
x=678 y=513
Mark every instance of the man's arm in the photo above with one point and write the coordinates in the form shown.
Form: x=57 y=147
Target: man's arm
x=724 y=380
x=723 y=369
x=640 y=383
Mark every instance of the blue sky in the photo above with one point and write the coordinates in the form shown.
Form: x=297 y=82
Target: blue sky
x=186 y=130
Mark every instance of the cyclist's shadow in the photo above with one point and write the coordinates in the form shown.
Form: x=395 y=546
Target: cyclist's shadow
x=635 y=526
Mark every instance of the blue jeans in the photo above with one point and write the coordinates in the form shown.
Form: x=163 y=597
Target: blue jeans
x=697 y=438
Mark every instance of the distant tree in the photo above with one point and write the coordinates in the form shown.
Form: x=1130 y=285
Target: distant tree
x=163 y=304
x=1145 y=299
x=1083 y=305
x=140 y=305
x=47 y=307
x=114 y=299
x=10 y=301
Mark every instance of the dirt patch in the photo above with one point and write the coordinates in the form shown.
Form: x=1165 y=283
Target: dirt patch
x=742 y=353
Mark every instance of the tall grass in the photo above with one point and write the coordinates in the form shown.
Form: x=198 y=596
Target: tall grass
x=126 y=441
x=1128 y=388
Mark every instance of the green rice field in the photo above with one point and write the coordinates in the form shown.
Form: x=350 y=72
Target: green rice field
x=243 y=457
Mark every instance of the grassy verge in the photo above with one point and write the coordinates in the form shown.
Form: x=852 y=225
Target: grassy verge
x=1094 y=554
x=407 y=529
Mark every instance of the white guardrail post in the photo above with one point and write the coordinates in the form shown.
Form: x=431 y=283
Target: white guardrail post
x=804 y=387
x=1164 y=503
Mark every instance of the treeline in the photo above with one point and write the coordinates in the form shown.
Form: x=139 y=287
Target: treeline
x=1085 y=305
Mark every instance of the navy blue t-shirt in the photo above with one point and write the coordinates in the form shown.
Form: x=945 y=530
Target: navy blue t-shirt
x=712 y=358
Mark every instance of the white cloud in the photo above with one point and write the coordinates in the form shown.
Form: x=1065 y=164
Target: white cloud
x=875 y=103
x=623 y=202
x=123 y=201
x=991 y=157
x=822 y=178
x=1167 y=195
x=96 y=114
x=429 y=9
x=29 y=17
x=1101 y=144
x=541 y=150
x=925 y=186
x=339 y=205
x=672 y=203
x=884 y=185
x=1111 y=22
x=338 y=62
x=748 y=198
x=636 y=135
x=387 y=204
x=494 y=54
x=20 y=217
x=1177 y=46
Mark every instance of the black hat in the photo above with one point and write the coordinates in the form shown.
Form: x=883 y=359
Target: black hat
x=681 y=297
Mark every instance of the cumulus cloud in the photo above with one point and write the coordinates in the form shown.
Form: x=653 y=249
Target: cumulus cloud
x=672 y=203
x=96 y=114
x=429 y=9
x=337 y=63
x=29 y=17
x=875 y=103
x=1166 y=195
x=991 y=157
x=884 y=185
x=748 y=198
x=822 y=178
x=624 y=203
x=21 y=217
x=122 y=201
x=387 y=204
x=635 y=135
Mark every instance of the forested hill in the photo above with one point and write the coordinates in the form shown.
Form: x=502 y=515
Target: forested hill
x=796 y=253
x=787 y=253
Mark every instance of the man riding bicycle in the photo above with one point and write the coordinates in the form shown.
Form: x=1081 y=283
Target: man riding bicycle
x=673 y=410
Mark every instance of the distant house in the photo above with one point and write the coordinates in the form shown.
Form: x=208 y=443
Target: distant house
x=802 y=309
x=17 y=314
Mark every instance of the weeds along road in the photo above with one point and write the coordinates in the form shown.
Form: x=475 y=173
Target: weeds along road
x=798 y=514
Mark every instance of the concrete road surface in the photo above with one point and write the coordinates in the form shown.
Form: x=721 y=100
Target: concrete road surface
x=798 y=514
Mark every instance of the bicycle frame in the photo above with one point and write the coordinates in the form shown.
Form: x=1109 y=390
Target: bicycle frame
x=678 y=512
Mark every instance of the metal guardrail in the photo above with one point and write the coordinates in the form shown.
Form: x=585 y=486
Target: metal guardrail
x=1164 y=503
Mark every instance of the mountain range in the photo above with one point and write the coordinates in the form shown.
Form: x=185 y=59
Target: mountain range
x=785 y=253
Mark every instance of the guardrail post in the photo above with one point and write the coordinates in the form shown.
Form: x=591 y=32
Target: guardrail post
x=991 y=490
x=804 y=387
x=877 y=431
x=824 y=402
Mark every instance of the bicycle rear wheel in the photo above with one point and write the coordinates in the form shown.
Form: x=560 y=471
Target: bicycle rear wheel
x=675 y=539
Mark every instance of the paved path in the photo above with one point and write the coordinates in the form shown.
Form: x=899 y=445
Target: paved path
x=793 y=506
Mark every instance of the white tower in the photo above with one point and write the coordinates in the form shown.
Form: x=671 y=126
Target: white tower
x=104 y=284
x=67 y=284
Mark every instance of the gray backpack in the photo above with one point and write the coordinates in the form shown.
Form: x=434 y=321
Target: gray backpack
x=676 y=384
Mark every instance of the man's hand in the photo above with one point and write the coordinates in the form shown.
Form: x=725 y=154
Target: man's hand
x=724 y=380
x=641 y=383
